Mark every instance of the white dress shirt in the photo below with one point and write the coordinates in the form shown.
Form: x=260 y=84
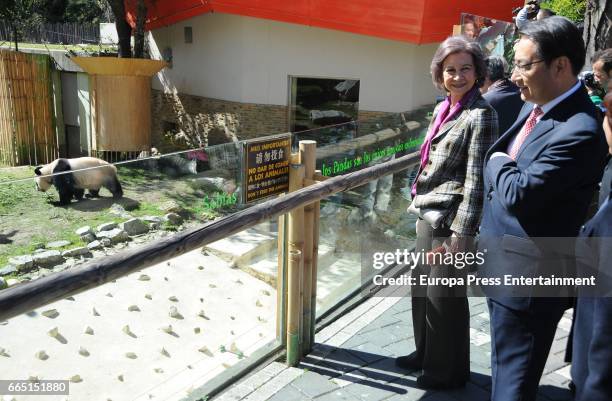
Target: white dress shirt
x=545 y=109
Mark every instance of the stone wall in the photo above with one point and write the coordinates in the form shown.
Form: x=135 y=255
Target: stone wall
x=181 y=120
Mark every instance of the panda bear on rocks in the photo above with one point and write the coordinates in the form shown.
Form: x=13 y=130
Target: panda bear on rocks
x=78 y=175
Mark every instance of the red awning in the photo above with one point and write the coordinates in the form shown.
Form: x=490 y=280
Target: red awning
x=414 y=21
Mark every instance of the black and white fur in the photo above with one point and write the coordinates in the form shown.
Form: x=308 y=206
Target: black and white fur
x=80 y=174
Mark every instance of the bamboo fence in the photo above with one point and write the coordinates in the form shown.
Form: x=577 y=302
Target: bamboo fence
x=27 y=136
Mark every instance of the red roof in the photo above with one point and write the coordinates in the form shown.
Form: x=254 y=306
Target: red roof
x=414 y=21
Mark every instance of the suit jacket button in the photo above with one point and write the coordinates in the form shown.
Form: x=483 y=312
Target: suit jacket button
x=429 y=162
x=433 y=147
x=424 y=173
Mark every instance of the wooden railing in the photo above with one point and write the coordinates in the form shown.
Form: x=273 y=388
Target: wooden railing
x=25 y=297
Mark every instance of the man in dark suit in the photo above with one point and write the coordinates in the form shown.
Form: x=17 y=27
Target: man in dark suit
x=592 y=348
x=540 y=177
x=501 y=93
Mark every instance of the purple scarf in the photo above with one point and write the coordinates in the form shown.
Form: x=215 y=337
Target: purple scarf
x=445 y=114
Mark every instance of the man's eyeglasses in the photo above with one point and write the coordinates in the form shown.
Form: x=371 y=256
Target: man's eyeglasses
x=525 y=67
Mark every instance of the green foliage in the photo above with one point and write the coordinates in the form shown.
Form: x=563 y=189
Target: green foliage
x=21 y=15
x=572 y=9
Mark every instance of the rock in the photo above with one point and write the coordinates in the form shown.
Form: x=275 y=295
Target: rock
x=128 y=204
x=8 y=269
x=22 y=263
x=87 y=238
x=106 y=227
x=57 y=244
x=39 y=250
x=83 y=351
x=48 y=258
x=12 y=281
x=3 y=283
x=205 y=351
x=210 y=184
x=144 y=277
x=82 y=250
x=173 y=218
x=135 y=227
x=83 y=231
x=106 y=242
x=118 y=210
x=51 y=313
x=153 y=221
x=131 y=355
x=116 y=235
x=174 y=313
x=42 y=355
x=170 y=207
x=94 y=245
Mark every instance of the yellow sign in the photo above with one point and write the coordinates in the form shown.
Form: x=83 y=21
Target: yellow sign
x=267 y=167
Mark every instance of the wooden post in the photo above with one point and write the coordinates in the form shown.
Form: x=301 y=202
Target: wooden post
x=315 y=260
x=295 y=268
x=281 y=281
x=309 y=156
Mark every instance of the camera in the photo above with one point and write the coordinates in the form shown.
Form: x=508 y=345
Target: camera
x=589 y=80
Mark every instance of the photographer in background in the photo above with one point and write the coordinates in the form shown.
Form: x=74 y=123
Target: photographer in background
x=596 y=93
x=602 y=67
x=531 y=12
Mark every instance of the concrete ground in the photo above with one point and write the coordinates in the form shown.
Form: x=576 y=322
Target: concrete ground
x=354 y=360
x=154 y=334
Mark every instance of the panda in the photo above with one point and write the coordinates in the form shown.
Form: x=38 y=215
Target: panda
x=95 y=173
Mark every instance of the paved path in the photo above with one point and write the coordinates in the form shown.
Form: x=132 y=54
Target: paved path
x=354 y=360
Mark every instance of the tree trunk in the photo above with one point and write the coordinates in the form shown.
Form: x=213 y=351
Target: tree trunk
x=15 y=36
x=597 y=26
x=124 y=30
x=141 y=17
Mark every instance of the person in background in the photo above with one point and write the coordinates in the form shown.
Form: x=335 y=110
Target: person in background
x=449 y=185
x=529 y=12
x=602 y=67
x=592 y=342
x=501 y=93
x=601 y=63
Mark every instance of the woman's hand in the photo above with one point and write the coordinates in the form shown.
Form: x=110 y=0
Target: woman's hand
x=456 y=243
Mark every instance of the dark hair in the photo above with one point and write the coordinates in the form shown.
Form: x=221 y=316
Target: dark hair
x=496 y=68
x=556 y=37
x=605 y=56
x=452 y=45
x=546 y=12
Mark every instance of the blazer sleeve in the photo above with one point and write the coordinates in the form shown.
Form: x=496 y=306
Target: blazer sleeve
x=482 y=133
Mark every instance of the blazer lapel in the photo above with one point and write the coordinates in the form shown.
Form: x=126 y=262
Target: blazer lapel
x=541 y=128
x=447 y=126
x=501 y=144
x=462 y=116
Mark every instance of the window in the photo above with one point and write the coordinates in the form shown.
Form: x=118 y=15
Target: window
x=323 y=102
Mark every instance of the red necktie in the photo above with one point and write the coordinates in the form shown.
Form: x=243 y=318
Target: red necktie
x=529 y=124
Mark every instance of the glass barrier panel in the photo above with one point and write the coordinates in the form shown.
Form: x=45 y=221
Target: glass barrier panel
x=158 y=333
x=362 y=216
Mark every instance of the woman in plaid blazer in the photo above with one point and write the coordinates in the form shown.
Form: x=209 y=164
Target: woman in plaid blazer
x=450 y=181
